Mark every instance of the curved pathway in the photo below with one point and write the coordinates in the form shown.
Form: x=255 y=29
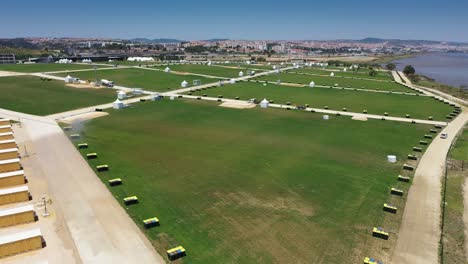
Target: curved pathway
x=420 y=230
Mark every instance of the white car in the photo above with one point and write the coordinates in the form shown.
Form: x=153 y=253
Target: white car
x=443 y=135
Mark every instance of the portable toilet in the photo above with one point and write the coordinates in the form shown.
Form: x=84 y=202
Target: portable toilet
x=311 y=84
x=241 y=74
x=118 y=104
x=121 y=95
x=264 y=103
x=184 y=84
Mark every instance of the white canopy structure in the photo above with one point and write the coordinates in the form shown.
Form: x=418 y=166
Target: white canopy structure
x=232 y=81
x=87 y=61
x=332 y=74
x=167 y=69
x=69 y=79
x=209 y=63
x=121 y=95
x=64 y=61
x=312 y=84
x=141 y=59
x=184 y=84
x=391 y=158
x=241 y=74
x=264 y=103
x=274 y=67
x=118 y=104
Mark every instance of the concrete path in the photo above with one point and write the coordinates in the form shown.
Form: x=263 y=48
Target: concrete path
x=326 y=111
x=101 y=230
x=419 y=235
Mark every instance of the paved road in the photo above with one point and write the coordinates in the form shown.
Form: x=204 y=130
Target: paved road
x=101 y=230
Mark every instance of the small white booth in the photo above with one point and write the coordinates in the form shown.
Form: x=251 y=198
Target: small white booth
x=264 y=103
x=118 y=104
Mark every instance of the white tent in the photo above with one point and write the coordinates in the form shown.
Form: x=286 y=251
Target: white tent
x=69 y=79
x=332 y=74
x=241 y=73
x=274 y=67
x=232 y=81
x=391 y=158
x=167 y=69
x=311 y=84
x=264 y=103
x=209 y=63
x=326 y=117
x=344 y=69
x=121 y=95
x=184 y=84
x=118 y=104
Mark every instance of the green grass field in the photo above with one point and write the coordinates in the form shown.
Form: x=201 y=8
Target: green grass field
x=44 y=67
x=207 y=70
x=252 y=186
x=362 y=73
x=331 y=81
x=355 y=101
x=31 y=95
x=140 y=78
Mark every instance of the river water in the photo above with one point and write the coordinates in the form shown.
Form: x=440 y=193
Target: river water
x=447 y=68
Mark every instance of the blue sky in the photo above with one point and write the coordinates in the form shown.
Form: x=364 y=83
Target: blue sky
x=241 y=19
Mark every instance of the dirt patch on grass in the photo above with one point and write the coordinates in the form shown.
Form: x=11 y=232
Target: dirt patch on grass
x=359 y=118
x=293 y=84
x=84 y=86
x=83 y=117
x=279 y=204
x=237 y=105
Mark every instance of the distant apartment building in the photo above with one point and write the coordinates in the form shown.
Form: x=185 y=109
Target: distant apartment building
x=7 y=58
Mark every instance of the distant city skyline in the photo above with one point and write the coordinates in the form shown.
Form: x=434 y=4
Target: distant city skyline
x=268 y=20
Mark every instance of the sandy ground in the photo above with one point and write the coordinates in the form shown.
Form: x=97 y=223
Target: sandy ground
x=8 y=73
x=419 y=234
x=100 y=229
x=83 y=117
x=84 y=85
x=237 y=105
x=359 y=118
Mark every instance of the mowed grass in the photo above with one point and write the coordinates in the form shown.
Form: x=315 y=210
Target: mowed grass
x=213 y=70
x=331 y=81
x=251 y=186
x=362 y=73
x=141 y=78
x=355 y=101
x=45 y=67
x=32 y=95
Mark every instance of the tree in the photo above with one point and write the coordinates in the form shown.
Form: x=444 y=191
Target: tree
x=391 y=66
x=409 y=70
x=373 y=73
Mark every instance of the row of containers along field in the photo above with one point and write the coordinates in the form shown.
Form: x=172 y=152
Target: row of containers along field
x=102 y=168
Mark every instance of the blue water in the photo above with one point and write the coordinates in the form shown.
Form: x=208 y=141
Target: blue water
x=447 y=68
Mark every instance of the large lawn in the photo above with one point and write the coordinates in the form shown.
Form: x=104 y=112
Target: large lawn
x=252 y=186
x=31 y=95
x=361 y=73
x=331 y=81
x=355 y=101
x=45 y=67
x=213 y=70
x=140 y=78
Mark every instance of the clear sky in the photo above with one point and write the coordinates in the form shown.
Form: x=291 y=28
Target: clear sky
x=241 y=19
